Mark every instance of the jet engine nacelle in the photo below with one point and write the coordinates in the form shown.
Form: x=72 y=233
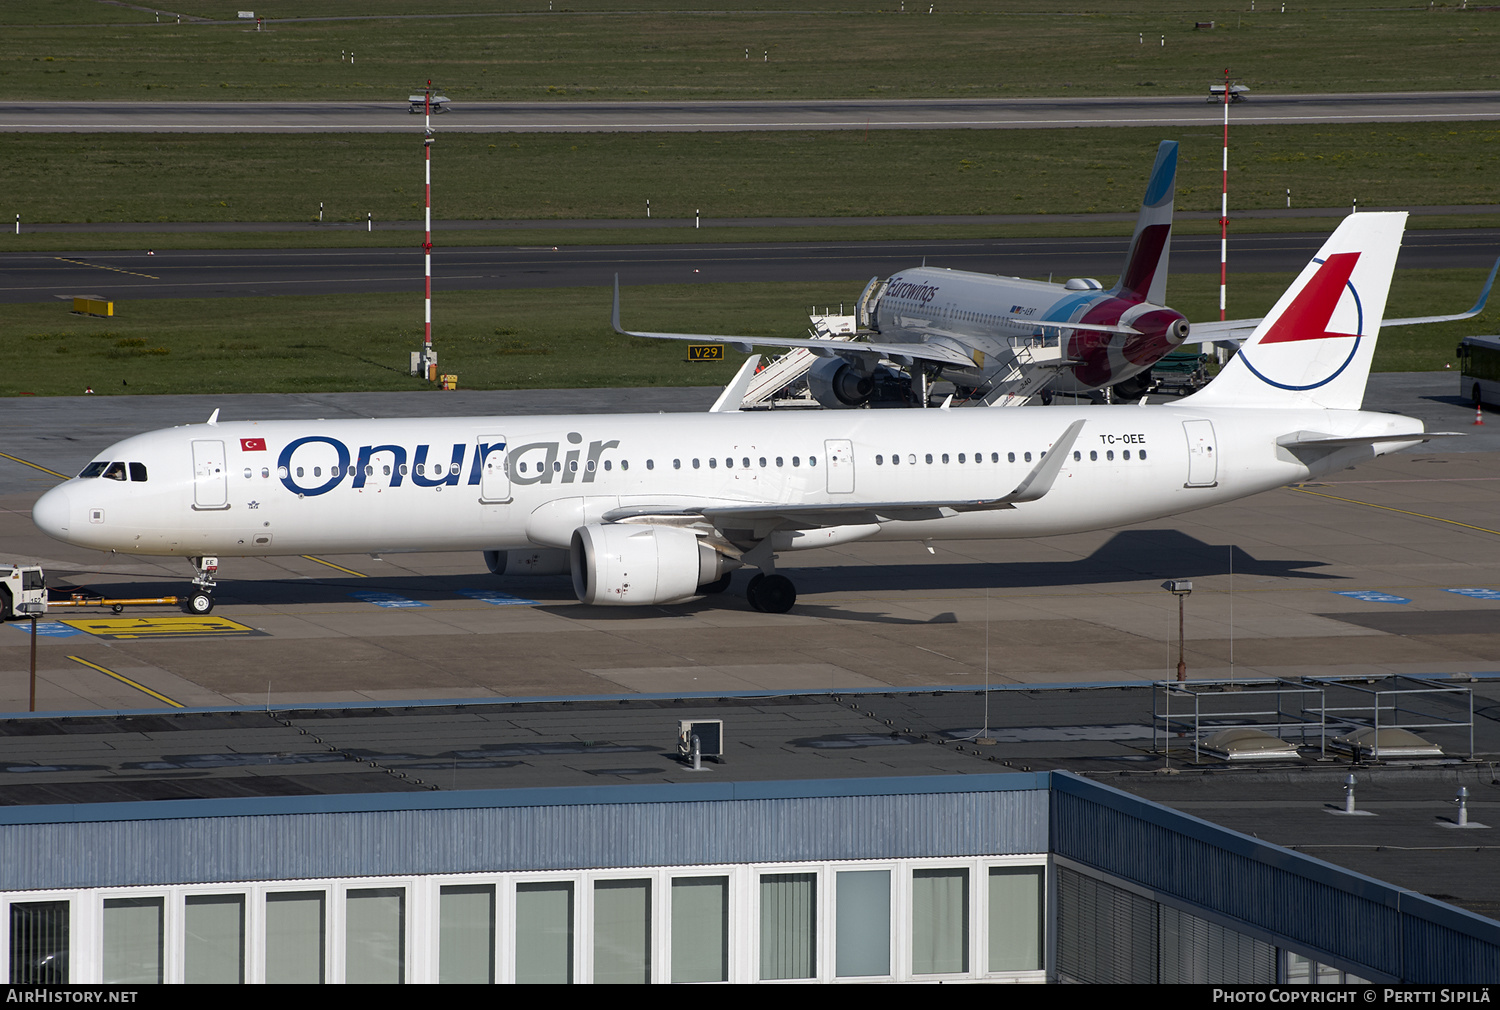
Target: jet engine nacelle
x=628 y=564
x=835 y=382
x=543 y=561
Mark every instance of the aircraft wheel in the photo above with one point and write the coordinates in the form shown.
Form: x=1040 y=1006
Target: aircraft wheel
x=750 y=588
x=772 y=594
x=200 y=603
x=717 y=585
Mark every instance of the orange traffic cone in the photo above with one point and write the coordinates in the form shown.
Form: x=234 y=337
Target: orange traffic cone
x=1478 y=413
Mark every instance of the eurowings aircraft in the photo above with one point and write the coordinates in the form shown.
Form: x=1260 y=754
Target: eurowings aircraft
x=1008 y=339
x=655 y=509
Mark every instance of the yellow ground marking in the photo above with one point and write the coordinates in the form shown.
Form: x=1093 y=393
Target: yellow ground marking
x=127 y=681
x=158 y=627
x=330 y=564
x=96 y=266
x=1405 y=512
x=34 y=466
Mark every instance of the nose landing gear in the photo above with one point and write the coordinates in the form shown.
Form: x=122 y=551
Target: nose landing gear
x=201 y=601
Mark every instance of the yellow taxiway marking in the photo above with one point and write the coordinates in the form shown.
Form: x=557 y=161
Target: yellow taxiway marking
x=330 y=564
x=1405 y=512
x=159 y=627
x=127 y=681
x=96 y=266
x=34 y=466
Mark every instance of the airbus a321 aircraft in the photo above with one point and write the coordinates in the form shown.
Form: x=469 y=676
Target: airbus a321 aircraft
x=654 y=509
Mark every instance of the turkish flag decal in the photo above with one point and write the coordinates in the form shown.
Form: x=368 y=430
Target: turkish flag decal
x=252 y=445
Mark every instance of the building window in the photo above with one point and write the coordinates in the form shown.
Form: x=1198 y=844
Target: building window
x=132 y=941
x=1016 y=918
x=788 y=925
x=940 y=921
x=862 y=932
x=700 y=929
x=622 y=931
x=39 y=943
x=466 y=934
x=544 y=932
x=214 y=933
x=375 y=936
x=294 y=937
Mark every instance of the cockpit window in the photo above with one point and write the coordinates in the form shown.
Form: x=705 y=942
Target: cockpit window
x=94 y=469
x=138 y=471
x=116 y=471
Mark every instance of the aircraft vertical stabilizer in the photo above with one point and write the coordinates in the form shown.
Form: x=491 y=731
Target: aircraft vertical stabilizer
x=1145 y=273
x=1315 y=347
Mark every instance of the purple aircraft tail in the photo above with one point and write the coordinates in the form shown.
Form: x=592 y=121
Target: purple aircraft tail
x=1145 y=275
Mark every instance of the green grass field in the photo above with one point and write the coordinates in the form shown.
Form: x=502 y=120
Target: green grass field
x=174 y=177
x=596 y=49
x=557 y=339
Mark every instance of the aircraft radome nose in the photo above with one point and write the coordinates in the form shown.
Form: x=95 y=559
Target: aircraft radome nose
x=52 y=512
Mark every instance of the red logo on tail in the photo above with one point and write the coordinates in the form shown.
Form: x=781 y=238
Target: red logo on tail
x=1308 y=315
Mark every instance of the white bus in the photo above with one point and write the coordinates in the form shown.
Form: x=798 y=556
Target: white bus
x=1479 y=367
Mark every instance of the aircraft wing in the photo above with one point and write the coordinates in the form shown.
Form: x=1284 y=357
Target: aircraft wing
x=1033 y=487
x=1240 y=329
x=904 y=353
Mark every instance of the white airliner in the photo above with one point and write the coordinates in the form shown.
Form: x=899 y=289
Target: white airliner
x=653 y=509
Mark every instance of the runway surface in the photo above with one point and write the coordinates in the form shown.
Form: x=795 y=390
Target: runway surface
x=1272 y=577
x=38 y=277
x=709 y=116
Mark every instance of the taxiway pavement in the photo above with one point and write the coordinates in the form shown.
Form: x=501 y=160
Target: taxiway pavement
x=1172 y=111
x=200 y=273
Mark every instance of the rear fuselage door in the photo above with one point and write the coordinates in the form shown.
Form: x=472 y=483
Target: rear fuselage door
x=494 y=480
x=1203 y=466
x=840 y=453
x=210 y=475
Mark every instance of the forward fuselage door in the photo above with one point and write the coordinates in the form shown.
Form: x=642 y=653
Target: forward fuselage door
x=494 y=470
x=840 y=453
x=1203 y=466
x=210 y=474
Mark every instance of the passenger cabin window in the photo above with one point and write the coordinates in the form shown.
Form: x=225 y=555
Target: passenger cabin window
x=138 y=472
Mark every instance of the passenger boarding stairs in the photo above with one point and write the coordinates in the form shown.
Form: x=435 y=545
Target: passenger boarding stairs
x=1031 y=371
x=790 y=368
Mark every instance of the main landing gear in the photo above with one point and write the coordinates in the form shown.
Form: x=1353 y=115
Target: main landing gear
x=201 y=601
x=771 y=594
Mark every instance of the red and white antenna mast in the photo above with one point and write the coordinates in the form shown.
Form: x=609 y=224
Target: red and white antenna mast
x=429 y=361
x=1224 y=206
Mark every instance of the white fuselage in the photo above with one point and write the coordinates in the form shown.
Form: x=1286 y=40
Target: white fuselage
x=491 y=483
x=995 y=315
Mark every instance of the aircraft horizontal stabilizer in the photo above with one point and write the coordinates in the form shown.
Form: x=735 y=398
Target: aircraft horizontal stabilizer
x=1314 y=440
x=1240 y=329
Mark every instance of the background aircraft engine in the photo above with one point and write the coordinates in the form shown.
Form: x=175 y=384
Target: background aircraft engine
x=834 y=382
x=627 y=564
x=545 y=561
